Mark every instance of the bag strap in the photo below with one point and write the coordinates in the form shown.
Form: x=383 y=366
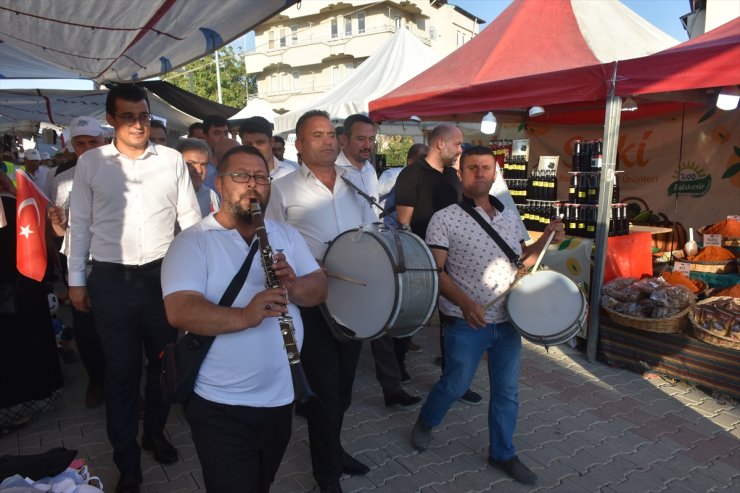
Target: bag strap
x=513 y=257
x=237 y=282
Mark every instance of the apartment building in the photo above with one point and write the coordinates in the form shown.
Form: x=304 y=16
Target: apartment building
x=310 y=47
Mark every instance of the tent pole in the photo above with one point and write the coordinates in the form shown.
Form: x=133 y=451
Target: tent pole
x=611 y=139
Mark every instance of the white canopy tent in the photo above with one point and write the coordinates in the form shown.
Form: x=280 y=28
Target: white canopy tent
x=400 y=58
x=256 y=107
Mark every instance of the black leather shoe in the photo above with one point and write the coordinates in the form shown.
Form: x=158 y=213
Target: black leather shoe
x=164 y=452
x=472 y=398
x=129 y=481
x=352 y=466
x=515 y=469
x=402 y=398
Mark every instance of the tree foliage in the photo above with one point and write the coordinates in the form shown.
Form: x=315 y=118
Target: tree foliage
x=395 y=148
x=199 y=77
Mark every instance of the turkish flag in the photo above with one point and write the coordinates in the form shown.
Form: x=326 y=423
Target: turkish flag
x=30 y=227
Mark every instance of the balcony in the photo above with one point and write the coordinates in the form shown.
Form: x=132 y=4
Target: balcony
x=312 y=48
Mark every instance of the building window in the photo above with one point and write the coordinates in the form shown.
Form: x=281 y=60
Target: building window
x=460 y=38
x=334 y=29
x=293 y=35
x=282 y=38
x=361 y=22
x=348 y=69
x=421 y=24
x=286 y=83
x=397 y=22
x=296 y=81
x=274 y=83
x=335 y=76
x=348 y=25
x=271 y=40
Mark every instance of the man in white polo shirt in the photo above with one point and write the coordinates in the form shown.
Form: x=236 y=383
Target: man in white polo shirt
x=240 y=413
x=257 y=131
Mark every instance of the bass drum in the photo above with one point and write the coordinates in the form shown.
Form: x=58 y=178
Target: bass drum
x=381 y=281
x=546 y=308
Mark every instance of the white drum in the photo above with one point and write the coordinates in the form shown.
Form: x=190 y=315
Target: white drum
x=381 y=281
x=546 y=308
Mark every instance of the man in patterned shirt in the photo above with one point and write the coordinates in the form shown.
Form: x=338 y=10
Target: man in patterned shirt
x=473 y=271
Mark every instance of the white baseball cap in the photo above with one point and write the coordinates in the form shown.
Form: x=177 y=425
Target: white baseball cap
x=45 y=156
x=85 y=125
x=32 y=155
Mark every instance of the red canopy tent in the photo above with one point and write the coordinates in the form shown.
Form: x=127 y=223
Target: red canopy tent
x=534 y=53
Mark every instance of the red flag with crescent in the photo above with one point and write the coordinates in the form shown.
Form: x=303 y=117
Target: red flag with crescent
x=30 y=227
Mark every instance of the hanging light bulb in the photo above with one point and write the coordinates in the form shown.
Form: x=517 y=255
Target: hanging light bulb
x=488 y=124
x=728 y=98
x=536 y=111
x=629 y=104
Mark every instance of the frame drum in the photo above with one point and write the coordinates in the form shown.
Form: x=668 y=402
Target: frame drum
x=547 y=308
x=381 y=281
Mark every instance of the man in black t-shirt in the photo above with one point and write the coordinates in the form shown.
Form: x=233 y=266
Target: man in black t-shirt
x=428 y=186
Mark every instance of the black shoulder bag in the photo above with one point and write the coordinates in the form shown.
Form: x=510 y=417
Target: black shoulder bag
x=181 y=360
x=515 y=260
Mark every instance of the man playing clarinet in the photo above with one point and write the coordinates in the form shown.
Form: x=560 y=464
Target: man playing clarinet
x=241 y=411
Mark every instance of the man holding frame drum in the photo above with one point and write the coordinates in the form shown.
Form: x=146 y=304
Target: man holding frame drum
x=474 y=270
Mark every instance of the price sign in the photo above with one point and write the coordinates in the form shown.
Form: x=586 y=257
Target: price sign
x=682 y=267
x=712 y=240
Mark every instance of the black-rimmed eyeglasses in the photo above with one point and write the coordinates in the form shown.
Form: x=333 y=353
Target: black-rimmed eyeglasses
x=244 y=178
x=129 y=119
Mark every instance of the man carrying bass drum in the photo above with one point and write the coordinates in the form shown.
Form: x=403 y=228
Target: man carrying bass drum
x=320 y=205
x=473 y=271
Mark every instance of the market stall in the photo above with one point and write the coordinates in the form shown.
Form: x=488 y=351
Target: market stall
x=578 y=96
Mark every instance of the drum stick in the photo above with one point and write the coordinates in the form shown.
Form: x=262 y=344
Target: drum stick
x=346 y=279
x=544 y=249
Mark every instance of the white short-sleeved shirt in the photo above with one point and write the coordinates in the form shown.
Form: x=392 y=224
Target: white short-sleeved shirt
x=366 y=178
x=250 y=367
x=474 y=261
x=282 y=168
x=320 y=214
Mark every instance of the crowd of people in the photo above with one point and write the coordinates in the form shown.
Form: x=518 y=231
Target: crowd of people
x=152 y=235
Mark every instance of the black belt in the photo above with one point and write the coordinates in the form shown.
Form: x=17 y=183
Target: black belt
x=125 y=267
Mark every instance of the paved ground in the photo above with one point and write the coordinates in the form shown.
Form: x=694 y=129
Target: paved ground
x=582 y=428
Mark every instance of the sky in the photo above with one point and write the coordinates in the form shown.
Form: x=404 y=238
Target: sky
x=663 y=14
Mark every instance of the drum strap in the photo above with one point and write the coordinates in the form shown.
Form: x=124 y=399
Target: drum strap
x=513 y=257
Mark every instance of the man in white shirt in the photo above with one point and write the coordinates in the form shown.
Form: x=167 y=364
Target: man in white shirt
x=85 y=134
x=39 y=174
x=257 y=132
x=197 y=154
x=126 y=200
x=240 y=413
x=320 y=205
x=358 y=143
x=278 y=150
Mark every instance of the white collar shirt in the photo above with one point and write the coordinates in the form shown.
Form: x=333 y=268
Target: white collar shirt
x=282 y=168
x=248 y=367
x=366 y=178
x=474 y=262
x=319 y=214
x=61 y=189
x=125 y=210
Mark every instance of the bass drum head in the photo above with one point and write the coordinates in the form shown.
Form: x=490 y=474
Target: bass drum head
x=546 y=307
x=363 y=310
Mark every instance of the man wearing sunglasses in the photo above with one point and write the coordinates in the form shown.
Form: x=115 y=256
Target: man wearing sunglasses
x=126 y=199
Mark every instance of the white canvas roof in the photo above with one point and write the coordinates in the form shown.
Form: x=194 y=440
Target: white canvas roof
x=256 y=107
x=399 y=59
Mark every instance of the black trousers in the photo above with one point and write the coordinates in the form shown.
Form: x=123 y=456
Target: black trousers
x=330 y=367
x=129 y=311
x=387 y=370
x=86 y=335
x=239 y=447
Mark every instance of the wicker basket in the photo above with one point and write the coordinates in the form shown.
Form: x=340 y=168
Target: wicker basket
x=710 y=337
x=668 y=325
x=719 y=267
x=728 y=241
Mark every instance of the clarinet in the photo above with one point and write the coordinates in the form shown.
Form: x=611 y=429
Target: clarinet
x=301 y=388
